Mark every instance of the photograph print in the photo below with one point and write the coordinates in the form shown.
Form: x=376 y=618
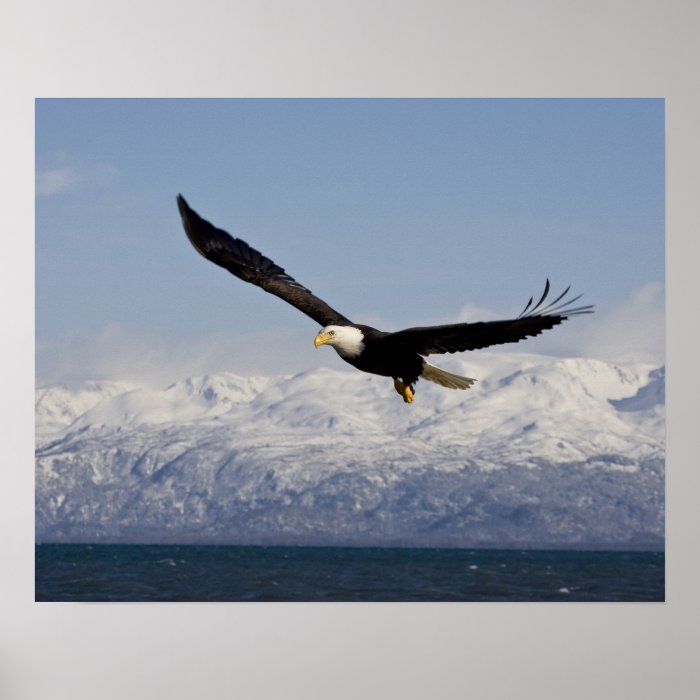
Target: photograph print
x=350 y=350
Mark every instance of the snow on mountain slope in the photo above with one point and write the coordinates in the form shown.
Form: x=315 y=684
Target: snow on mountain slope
x=192 y=399
x=57 y=407
x=540 y=452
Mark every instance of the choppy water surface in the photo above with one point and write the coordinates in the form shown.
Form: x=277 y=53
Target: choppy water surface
x=234 y=573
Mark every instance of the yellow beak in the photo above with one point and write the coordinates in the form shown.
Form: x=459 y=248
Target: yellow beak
x=321 y=339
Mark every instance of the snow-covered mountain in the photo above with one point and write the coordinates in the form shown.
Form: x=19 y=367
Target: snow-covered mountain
x=541 y=451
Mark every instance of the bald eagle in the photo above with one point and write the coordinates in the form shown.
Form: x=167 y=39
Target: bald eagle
x=399 y=355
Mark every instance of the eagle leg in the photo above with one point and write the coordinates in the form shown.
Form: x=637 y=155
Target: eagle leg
x=403 y=390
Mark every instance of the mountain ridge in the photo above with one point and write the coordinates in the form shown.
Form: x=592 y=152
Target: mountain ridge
x=560 y=451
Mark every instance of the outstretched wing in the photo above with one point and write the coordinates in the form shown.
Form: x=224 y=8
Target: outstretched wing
x=459 y=337
x=252 y=266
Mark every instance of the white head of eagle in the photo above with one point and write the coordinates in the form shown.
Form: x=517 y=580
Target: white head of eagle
x=347 y=340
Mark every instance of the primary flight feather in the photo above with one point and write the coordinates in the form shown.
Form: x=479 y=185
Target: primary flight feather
x=399 y=355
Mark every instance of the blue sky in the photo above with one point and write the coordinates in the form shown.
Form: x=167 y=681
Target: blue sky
x=396 y=212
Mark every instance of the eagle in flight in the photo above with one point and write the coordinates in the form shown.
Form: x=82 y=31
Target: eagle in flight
x=399 y=355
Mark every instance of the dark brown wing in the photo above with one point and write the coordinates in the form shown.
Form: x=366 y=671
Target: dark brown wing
x=252 y=266
x=459 y=337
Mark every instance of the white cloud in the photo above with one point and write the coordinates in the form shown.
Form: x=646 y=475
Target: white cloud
x=119 y=352
x=630 y=329
x=56 y=180
x=66 y=178
x=471 y=313
x=633 y=328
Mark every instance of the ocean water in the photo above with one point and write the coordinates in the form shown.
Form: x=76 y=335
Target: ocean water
x=249 y=573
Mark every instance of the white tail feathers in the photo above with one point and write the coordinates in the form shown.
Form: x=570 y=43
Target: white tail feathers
x=444 y=378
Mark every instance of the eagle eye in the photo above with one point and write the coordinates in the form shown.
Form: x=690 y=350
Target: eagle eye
x=331 y=332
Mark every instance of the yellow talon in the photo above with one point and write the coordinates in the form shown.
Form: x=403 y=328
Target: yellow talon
x=403 y=390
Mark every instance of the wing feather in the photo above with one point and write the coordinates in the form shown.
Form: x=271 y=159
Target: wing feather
x=458 y=337
x=252 y=266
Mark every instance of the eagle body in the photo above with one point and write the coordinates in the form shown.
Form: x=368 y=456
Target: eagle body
x=400 y=355
x=372 y=352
